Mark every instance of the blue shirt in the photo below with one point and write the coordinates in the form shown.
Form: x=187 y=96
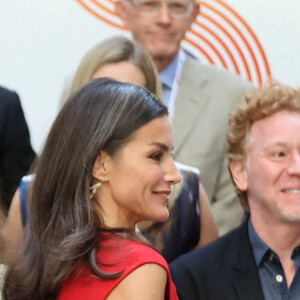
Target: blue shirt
x=271 y=273
x=167 y=78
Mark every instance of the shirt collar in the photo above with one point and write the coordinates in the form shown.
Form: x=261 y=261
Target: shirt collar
x=296 y=252
x=167 y=75
x=260 y=248
x=258 y=245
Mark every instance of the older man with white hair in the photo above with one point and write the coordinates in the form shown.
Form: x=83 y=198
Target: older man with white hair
x=199 y=97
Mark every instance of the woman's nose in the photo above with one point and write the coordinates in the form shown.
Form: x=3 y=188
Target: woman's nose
x=172 y=174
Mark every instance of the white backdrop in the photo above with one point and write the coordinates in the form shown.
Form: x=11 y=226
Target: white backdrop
x=42 y=42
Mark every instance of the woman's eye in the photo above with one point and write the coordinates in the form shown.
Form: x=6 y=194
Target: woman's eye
x=156 y=156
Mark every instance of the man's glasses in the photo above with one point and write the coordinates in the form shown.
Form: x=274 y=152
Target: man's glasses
x=151 y=8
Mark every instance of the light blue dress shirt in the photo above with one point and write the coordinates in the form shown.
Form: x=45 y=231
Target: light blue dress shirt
x=167 y=77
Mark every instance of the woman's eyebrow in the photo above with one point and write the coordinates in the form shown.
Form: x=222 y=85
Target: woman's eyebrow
x=162 y=146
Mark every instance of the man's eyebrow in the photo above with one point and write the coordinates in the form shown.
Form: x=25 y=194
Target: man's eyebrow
x=275 y=144
x=162 y=146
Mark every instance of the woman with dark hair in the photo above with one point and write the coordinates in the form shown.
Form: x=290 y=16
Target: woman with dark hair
x=191 y=223
x=106 y=165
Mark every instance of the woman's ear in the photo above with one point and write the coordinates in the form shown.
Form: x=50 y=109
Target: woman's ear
x=101 y=166
x=239 y=174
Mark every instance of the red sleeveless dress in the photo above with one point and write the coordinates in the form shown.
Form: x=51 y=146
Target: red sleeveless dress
x=118 y=254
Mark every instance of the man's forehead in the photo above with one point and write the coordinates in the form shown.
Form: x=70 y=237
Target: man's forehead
x=275 y=128
x=275 y=120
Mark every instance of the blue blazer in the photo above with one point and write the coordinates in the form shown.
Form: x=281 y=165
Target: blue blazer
x=222 y=270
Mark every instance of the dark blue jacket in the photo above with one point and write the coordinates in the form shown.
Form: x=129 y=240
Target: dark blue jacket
x=222 y=270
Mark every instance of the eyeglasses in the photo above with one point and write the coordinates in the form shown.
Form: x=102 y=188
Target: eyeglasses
x=151 y=8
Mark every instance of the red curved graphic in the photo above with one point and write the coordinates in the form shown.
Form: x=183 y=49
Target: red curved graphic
x=211 y=46
x=234 y=42
x=205 y=53
x=219 y=39
x=242 y=37
x=253 y=36
x=219 y=36
x=99 y=16
x=231 y=39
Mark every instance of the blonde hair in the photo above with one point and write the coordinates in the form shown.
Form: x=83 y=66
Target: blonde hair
x=114 y=50
x=260 y=103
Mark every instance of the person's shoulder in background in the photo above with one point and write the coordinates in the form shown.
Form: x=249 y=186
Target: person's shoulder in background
x=16 y=153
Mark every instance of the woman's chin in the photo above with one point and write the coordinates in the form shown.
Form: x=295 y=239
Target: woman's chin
x=163 y=217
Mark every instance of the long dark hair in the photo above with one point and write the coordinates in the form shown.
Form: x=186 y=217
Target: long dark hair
x=64 y=230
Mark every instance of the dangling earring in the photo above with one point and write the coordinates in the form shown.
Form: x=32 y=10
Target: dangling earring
x=93 y=189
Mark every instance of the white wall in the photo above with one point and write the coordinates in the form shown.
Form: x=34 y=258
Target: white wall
x=42 y=42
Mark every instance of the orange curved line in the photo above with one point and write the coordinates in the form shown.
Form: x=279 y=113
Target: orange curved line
x=201 y=50
x=212 y=47
x=100 y=17
x=103 y=7
x=241 y=35
x=211 y=32
x=267 y=66
x=249 y=76
x=236 y=67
